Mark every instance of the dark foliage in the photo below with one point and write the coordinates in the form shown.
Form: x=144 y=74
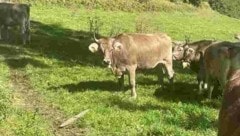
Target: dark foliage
x=227 y=7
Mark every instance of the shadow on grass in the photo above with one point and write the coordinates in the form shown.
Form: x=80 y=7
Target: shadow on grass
x=63 y=44
x=14 y=57
x=183 y=92
x=54 y=41
x=188 y=93
x=132 y=105
x=23 y=62
x=89 y=85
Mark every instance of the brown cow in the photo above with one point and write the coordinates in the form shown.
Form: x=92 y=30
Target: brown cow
x=127 y=52
x=191 y=54
x=222 y=62
x=229 y=122
x=217 y=63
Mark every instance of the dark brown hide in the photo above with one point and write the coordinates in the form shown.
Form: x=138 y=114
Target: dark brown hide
x=229 y=116
x=192 y=53
x=218 y=60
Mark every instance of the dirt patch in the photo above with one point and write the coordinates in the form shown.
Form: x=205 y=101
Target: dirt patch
x=25 y=97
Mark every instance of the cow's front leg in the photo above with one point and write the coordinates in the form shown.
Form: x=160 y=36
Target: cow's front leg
x=121 y=83
x=132 y=77
x=200 y=79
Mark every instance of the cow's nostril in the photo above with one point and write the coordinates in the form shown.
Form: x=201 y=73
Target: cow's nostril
x=107 y=62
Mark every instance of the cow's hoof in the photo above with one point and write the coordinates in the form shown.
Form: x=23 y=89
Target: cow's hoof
x=134 y=97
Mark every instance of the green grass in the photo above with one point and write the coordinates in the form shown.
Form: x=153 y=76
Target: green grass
x=14 y=119
x=68 y=76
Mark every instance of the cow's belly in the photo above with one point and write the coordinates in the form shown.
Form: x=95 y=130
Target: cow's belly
x=149 y=63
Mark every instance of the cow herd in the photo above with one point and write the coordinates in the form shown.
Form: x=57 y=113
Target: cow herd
x=217 y=63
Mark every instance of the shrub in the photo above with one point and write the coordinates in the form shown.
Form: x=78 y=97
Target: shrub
x=227 y=7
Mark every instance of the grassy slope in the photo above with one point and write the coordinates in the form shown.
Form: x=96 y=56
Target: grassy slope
x=72 y=79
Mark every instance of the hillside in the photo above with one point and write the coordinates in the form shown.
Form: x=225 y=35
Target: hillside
x=56 y=77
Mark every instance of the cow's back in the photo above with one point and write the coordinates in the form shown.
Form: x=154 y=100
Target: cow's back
x=202 y=45
x=147 y=50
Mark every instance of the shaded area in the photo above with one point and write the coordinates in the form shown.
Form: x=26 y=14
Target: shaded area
x=132 y=105
x=63 y=44
x=54 y=41
x=15 y=57
x=89 y=85
x=23 y=62
x=183 y=92
x=187 y=93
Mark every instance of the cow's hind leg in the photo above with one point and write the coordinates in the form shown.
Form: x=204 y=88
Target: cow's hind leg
x=161 y=74
x=169 y=67
x=170 y=71
x=132 y=76
x=210 y=83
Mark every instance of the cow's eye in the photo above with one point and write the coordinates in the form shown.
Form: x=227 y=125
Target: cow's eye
x=102 y=48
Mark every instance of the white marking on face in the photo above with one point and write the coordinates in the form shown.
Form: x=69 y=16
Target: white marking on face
x=185 y=64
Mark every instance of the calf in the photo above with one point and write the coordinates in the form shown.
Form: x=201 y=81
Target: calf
x=15 y=15
x=128 y=52
x=191 y=54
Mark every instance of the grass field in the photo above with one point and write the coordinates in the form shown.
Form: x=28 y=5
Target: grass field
x=56 y=77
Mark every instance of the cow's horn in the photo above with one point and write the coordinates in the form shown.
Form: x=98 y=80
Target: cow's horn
x=93 y=47
x=94 y=36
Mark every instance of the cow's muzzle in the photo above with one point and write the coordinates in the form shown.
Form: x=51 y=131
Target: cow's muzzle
x=107 y=62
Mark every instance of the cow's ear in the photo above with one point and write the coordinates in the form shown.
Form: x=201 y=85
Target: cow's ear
x=117 y=46
x=93 y=47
